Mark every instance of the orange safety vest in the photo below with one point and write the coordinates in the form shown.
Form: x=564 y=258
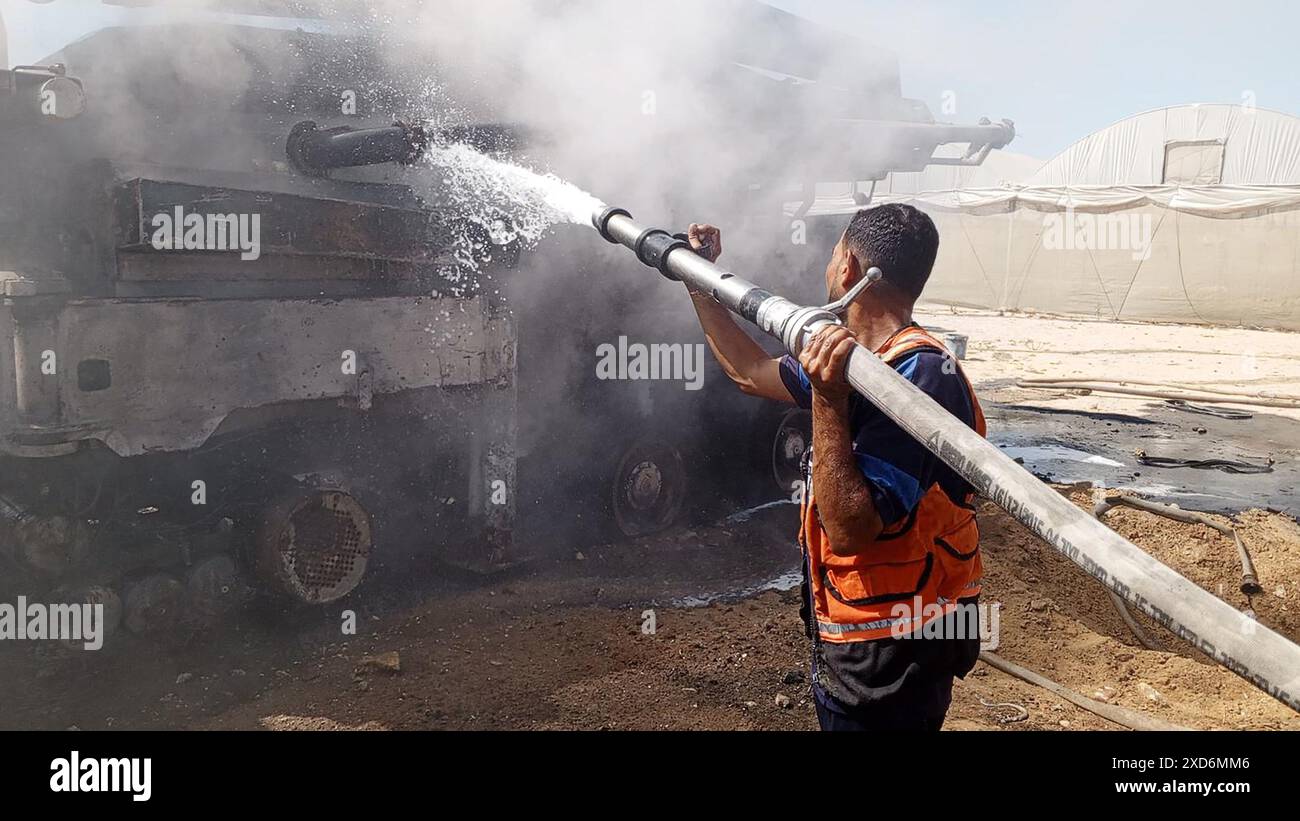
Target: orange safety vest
x=915 y=571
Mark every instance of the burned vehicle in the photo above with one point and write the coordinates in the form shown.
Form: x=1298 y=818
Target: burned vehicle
x=219 y=373
x=249 y=341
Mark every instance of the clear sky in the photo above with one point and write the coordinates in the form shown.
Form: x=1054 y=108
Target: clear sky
x=1062 y=69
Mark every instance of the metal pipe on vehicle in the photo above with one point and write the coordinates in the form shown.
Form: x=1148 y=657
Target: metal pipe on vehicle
x=1249 y=649
x=314 y=150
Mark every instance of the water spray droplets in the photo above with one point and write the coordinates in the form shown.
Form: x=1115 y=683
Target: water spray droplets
x=496 y=203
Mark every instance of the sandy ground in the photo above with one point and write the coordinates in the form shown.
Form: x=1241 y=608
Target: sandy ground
x=1007 y=348
x=1071 y=436
x=565 y=642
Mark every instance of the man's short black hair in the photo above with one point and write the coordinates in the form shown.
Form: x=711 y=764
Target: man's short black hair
x=900 y=240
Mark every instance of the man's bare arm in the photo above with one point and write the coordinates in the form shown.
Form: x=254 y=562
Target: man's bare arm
x=743 y=360
x=844 y=502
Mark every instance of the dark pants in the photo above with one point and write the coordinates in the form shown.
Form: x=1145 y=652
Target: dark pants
x=922 y=711
x=900 y=684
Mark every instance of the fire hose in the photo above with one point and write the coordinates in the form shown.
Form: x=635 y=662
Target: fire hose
x=1247 y=648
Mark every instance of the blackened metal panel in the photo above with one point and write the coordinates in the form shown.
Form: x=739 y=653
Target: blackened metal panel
x=170 y=221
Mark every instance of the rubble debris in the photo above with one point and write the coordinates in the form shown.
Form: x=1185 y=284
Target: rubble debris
x=389 y=663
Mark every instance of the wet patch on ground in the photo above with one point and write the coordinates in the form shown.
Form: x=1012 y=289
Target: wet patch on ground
x=1070 y=446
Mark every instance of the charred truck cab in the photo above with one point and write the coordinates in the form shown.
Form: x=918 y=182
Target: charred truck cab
x=220 y=374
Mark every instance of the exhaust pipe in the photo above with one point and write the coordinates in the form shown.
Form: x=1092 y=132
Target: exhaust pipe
x=1247 y=648
x=315 y=151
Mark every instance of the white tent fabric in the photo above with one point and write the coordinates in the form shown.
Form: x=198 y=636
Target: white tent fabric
x=1220 y=201
x=1101 y=230
x=1258 y=147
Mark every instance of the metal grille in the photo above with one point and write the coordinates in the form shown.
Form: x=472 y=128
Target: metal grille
x=325 y=546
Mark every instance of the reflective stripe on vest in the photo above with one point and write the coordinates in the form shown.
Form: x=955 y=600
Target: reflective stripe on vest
x=931 y=558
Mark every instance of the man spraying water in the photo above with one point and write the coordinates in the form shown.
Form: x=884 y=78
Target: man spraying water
x=888 y=532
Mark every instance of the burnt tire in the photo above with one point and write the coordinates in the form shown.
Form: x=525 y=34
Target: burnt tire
x=647 y=488
x=789 y=442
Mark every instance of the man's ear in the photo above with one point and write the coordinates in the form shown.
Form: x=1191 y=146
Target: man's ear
x=851 y=270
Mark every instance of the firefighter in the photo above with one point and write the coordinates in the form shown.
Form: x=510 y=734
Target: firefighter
x=888 y=535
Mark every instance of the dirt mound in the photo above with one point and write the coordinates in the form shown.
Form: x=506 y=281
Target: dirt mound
x=1060 y=622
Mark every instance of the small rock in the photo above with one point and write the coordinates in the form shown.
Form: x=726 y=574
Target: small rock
x=579 y=556
x=793 y=677
x=1065 y=724
x=1123 y=656
x=390 y=663
x=1105 y=694
x=1038 y=605
x=783 y=701
x=1150 y=692
x=184 y=677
